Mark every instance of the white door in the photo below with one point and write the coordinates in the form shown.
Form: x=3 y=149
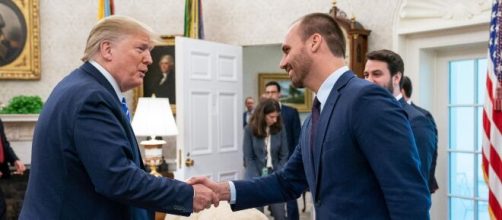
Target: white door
x=208 y=109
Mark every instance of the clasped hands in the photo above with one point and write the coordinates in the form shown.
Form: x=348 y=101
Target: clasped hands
x=208 y=192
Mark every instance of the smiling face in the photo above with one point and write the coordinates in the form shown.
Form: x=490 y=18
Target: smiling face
x=129 y=59
x=295 y=59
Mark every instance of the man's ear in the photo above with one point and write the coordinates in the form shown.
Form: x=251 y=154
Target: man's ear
x=397 y=78
x=316 y=42
x=105 y=49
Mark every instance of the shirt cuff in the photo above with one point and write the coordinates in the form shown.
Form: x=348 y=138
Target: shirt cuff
x=232 y=192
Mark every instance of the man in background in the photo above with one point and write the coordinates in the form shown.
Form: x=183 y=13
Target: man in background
x=386 y=68
x=249 y=103
x=406 y=90
x=291 y=121
x=7 y=156
x=86 y=163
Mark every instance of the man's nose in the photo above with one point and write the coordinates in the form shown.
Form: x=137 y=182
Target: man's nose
x=148 y=58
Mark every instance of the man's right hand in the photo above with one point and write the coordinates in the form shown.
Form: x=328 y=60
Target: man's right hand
x=204 y=197
x=221 y=189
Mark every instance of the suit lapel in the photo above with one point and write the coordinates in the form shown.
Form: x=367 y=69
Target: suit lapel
x=324 y=121
x=91 y=70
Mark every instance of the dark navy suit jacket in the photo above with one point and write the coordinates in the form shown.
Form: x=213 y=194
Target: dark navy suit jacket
x=85 y=159
x=425 y=137
x=291 y=121
x=364 y=164
x=433 y=184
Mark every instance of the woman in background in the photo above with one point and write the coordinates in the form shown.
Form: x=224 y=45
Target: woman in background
x=265 y=146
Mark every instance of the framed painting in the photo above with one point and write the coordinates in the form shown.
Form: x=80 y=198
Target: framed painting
x=19 y=40
x=301 y=99
x=160 y=79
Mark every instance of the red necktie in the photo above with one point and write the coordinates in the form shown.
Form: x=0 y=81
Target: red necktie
x=316 y=113
x=2 y=157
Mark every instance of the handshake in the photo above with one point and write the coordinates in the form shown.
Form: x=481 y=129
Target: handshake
x=208 y=192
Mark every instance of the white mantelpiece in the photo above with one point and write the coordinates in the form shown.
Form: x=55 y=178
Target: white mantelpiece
x=19 y=130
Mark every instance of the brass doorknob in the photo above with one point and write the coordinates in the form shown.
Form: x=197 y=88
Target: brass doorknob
x=189 y=162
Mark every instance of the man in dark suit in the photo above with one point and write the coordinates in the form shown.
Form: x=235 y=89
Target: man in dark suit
x=291 y=121
x=356 y=152
x=249 y=103
x=386 y=68
x=85 y=160
x=7 y=156
x=406 y=90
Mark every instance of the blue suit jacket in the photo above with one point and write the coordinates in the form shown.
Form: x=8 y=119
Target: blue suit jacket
x=291 y=121
x=255 y=156
x=425 y=137
x=86 y=162
x=433 y=184
x=365 y=163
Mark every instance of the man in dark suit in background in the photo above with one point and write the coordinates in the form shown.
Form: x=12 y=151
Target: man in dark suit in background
x=249 y=103
x=7 y=156
x=406 y=90
x=291 y=121
x=386 y=68
x=356 y=151
x=85 y=160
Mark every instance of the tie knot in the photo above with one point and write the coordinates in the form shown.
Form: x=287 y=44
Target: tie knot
x=316 y=105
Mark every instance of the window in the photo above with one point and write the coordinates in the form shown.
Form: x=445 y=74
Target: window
x=468 y=193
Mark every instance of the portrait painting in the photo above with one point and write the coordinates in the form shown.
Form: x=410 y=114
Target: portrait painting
x=19 y=45
x=160 y=80
x=299 y=98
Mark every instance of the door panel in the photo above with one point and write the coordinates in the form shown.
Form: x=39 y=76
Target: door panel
x=209 y=93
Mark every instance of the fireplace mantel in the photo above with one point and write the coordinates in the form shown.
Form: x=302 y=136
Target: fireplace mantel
x=19 y=130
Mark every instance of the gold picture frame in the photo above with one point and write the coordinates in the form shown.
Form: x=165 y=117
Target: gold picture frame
x=164 y=47
x=19 y=40
x=301 y=99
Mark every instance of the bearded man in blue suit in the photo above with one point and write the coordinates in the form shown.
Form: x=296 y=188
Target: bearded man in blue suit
x=85 y=160
x=386 y=68
x=357 y=154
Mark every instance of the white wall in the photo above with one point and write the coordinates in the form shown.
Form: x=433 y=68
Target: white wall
x=64 y=26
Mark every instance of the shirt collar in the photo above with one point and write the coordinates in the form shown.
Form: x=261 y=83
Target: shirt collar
x=108 y=77
x=399 y=97
x=328 y=84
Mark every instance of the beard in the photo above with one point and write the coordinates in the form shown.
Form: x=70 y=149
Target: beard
x=303 y=63
x=389 y=86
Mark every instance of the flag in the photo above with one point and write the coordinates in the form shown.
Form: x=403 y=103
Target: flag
x=105 y=8
x=492 y=116
x=194 y=27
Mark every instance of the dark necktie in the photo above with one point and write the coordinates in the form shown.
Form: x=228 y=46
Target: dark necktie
x=316 y=113
x=125 y=109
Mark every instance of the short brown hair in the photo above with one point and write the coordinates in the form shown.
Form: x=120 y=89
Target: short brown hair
x=326 y=26
x=394 y=61
x=113 y=28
